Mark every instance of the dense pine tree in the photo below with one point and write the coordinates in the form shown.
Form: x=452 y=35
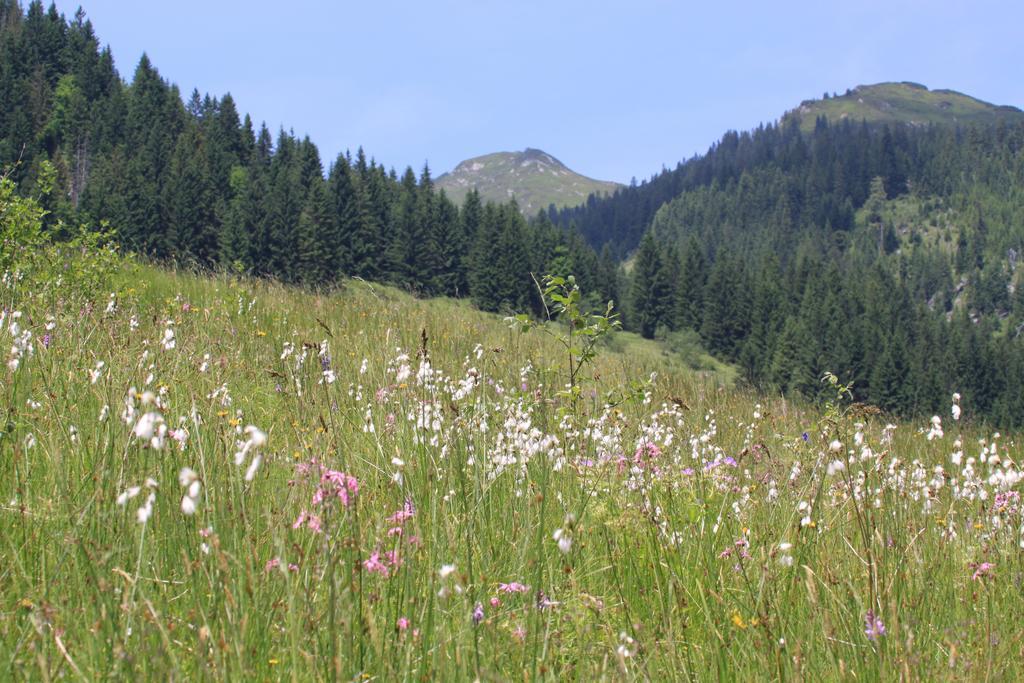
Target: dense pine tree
x=652 y=289
x=235 y=243
x=690 y=290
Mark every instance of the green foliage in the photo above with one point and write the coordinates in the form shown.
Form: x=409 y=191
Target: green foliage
x=21 y=227
x=685 y=344
x=584 y=331
x=35 y=265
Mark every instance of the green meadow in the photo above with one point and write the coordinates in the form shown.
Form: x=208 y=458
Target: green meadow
x=207 y=477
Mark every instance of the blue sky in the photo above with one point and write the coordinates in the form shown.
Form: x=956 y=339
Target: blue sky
x=613 y=89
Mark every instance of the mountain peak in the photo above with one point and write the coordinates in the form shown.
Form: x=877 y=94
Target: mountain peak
x=902 y=102
x=535 y=178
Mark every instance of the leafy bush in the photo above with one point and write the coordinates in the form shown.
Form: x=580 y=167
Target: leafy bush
x=34 y=264
x=685 y=344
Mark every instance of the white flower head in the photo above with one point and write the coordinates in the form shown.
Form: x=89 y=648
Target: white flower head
x=250 y=473
x=186 y=476
x=146 y=511
x=257 y=437
x=128 y=495
x=564 y=541
x=168 y=342
x=149 y=427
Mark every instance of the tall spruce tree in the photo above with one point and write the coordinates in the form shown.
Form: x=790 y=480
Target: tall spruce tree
x=689 y=311
x=652 y=291
x=237 y=229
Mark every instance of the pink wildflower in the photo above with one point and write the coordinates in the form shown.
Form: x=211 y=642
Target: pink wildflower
x=392 y=558
x=982 y=570
x=1006 y=502
x=514 y=587
x=646 y=451
x=404 y=514
x=374 y=565
x=335 y=484
x=311 y=521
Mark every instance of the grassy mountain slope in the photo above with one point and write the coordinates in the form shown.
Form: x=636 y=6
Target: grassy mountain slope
x=905 y=103
x=536 y=180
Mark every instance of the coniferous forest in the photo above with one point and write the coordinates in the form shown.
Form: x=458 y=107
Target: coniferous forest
x=886 y=254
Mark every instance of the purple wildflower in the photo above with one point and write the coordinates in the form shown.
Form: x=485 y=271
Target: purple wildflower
x=873 y=626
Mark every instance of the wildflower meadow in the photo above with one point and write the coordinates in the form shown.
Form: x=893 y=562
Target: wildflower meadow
x=211 y=477
x=208 y=477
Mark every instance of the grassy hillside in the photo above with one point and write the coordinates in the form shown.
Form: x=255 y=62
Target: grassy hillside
x=903 y=102
x=408 y=506
x=536 y=180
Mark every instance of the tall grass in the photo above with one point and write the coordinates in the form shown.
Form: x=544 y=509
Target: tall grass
x=425 y=506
